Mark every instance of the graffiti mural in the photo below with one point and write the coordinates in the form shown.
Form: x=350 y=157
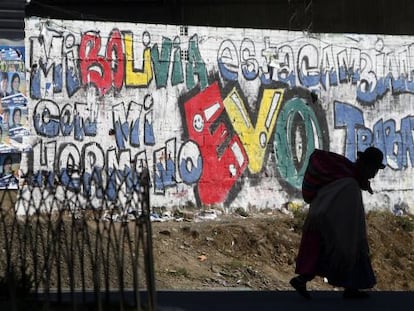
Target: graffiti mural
x=221 y=117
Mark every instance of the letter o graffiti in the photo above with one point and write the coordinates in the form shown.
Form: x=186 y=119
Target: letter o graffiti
x=296 y=121
x=190 y=162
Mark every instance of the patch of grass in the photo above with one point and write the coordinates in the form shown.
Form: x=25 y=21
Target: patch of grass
x=406 y=223
x=235 y=264
x=179 y=272
x=299 y=217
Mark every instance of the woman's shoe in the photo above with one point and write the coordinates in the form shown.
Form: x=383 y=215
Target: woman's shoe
x=300 y=287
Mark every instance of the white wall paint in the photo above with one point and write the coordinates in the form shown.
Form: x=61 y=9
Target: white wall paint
x=373 y=102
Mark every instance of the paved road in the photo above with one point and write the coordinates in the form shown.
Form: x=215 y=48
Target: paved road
x=281 y=300
x=248 y=300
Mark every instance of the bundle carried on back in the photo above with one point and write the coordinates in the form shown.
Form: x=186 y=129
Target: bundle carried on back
x=324 y=167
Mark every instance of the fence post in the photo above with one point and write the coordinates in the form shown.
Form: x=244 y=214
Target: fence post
x=148 y=253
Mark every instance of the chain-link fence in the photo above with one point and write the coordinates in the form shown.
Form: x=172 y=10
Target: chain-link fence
x=57 y=246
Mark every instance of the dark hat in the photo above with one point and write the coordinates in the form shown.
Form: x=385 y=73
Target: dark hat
x=372 y=155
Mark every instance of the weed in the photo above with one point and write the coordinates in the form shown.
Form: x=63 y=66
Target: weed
x=299 y=216
x=240 y=211
x=235 y=264
x=190 y=205
x=406 y=223
x=179 y=272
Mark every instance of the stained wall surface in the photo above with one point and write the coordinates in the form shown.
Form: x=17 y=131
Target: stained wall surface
x=221 y=116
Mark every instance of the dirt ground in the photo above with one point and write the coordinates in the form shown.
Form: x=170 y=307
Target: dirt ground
x=258 y=252
x=238 y=250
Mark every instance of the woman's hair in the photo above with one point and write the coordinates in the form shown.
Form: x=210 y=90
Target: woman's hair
x=15 y=75
x=7 y=160
x=16 y=110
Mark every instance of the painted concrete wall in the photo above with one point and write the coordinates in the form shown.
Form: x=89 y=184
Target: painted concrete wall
x=221 y=116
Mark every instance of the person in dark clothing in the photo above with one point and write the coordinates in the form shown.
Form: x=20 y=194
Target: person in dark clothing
x=334 y=240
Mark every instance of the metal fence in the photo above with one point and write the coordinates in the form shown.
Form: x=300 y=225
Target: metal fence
x=57 y=248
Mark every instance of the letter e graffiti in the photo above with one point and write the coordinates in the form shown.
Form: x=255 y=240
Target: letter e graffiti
x=220 y=170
